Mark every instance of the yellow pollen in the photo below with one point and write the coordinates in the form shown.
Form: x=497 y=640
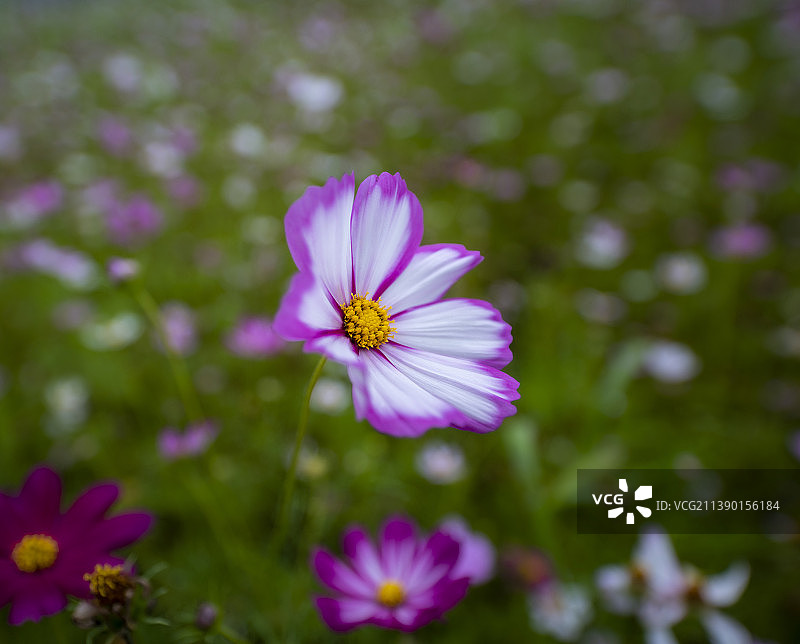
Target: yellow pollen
x=109 y=584
x=366 y=321
x=391 y=593
x=35 y=552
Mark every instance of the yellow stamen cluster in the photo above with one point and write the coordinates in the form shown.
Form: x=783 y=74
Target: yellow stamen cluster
x=109 y=584
x=366 y=321
x=35 y=552
x=391 y=593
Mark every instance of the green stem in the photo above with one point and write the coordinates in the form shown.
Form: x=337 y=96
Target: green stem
x=288 y=487
x=229 y=635
x=177 y=365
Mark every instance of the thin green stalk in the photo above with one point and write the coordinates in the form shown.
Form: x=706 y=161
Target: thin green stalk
x=178 y=367
x=229 y=635
x=288 y=486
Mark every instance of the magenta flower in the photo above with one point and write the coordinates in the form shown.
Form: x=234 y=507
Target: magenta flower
x=132 y=222
x=253 y=337
x=741 y=241
x=477 y=557
x=369 y=296
x=44 y=553
x=195 y=440
x=404 y=583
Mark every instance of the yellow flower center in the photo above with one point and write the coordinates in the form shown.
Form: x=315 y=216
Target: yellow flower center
x=391 y=593
x=366 y=321
x=35 y=552
x=109 y=584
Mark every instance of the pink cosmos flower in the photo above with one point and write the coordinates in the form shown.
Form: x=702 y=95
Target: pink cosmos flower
x=403 y=583
x=369 y=296
x=195 y=440
x=44 y=553
x=253 y=337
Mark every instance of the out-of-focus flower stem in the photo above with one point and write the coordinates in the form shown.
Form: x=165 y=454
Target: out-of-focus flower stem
x=179 y=371
x=288 y=486
x=229 y=635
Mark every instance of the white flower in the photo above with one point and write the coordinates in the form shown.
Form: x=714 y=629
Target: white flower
x=441 y=463
x=560 y=610
x=671 y=362
x=681 y=273
x=661 y=592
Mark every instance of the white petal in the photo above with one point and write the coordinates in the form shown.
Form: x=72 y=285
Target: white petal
x=479 y=394
x=469 y=329
x=391 y=402
x=655 y=555
x=335 y=346
x=318 y=233
x=726 y=588
x=429 y=274
x=386 y=230
x=306 y=310
x=722 y=629
x=659 y=636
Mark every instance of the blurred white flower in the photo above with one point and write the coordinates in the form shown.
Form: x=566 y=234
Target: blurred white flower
x=248 y=140
x=330 y=396
x=560 y=610
x=114 y=333
x=314 y=93
x=671 y=362
x=124 y=72
x=67 y=403
x=441 y=463
x=601 y=244
x=681 y=273
x=606 y=86
x=660 y=591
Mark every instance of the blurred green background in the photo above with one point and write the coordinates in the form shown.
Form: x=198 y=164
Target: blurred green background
x=628 y=170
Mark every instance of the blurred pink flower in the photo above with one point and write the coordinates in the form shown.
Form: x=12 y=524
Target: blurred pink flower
x=253 y=337
x=194 y=440
x=34 y=203
x=114 y=136
x=179 y=327
x=476 y=559
x=134 y=221
x=741 y=241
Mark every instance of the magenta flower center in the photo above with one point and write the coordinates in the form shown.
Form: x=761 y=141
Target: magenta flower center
x=35 y=552
x=366 y=321
x=391 y=593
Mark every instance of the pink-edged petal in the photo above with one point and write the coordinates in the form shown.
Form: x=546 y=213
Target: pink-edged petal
x=39 y=501
x=468 y=329
x=318 y=233
x=334 y=345
x=37 y=600
x=430 y=273
x=359 y=549
x=479 y=396
x=726 y=588
x=392 y=403
x=385 y=230
x=306 y=310
x=346 y=614
x=435 y=561
x=398 y=547
x=339 y=577
x=118 y=531
x=722 y=629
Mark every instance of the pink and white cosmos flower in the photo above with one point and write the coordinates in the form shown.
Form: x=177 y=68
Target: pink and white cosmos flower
x=369 y=296
x=403 y=583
